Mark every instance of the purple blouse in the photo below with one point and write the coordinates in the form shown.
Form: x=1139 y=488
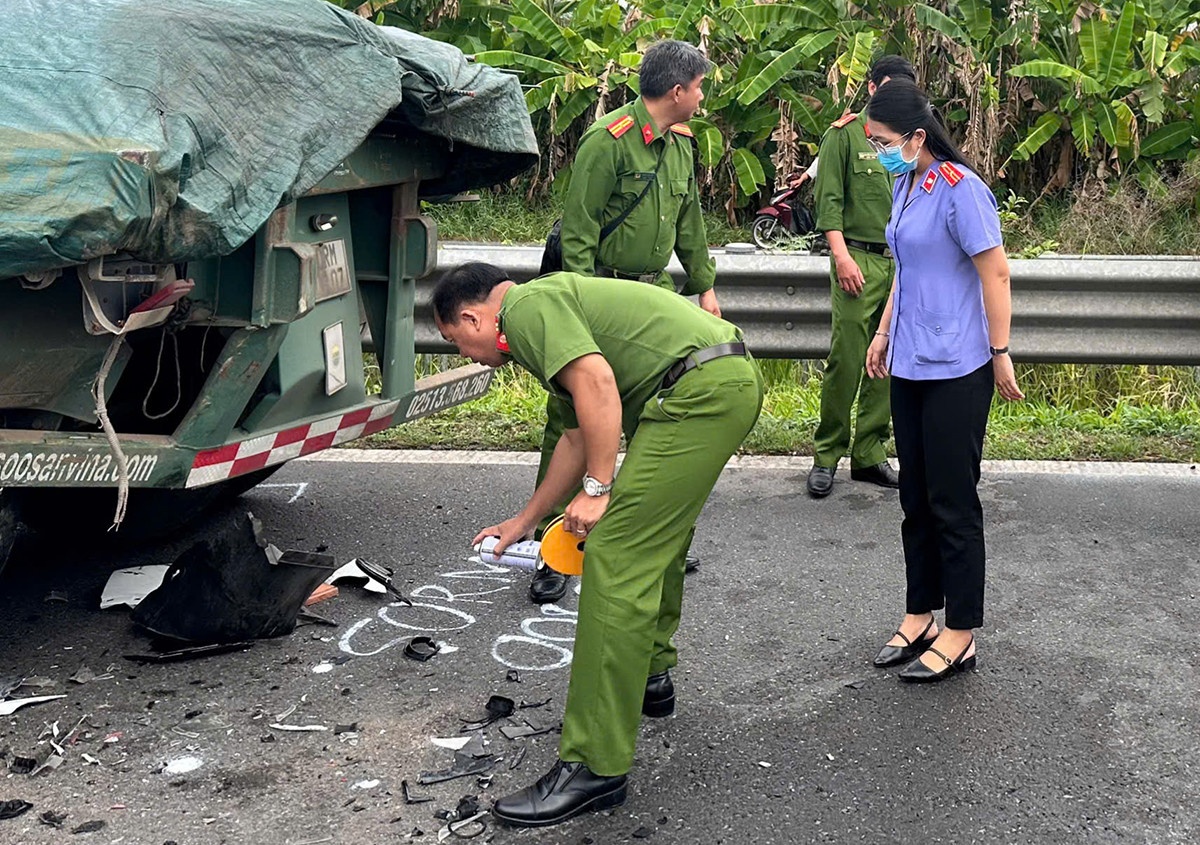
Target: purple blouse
x=939 y=329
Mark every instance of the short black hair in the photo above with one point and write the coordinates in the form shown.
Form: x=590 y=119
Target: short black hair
x=667 y=64
x=891 y=66
x=466 y=285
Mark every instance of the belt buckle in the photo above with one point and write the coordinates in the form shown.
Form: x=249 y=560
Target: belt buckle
x=887 y=252
x=648 y=278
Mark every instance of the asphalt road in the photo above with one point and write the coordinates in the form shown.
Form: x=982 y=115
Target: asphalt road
x=1080 y=725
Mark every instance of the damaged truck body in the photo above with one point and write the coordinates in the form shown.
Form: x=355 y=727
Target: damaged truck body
x=209 y=212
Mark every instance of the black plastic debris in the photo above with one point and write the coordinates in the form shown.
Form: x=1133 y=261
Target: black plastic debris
x=14 y=808
x=518 y=757
x=513 y=676
x=642 y=833
x=497 y=707
x=443 y=815
x=52 y=819
x=527 y=730
x=90 y=827
x=351 y=728
x=177 y=655
x=22 y=765
x=232 y=586
x=534 y=705
x=421 y=649
x=464 y=766
x=468 y=806
x=384 y=576
x=410 y=798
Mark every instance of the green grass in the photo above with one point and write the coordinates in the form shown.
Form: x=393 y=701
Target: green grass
x=1070 y=413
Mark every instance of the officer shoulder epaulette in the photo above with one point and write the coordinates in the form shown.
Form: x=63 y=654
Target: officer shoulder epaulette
x=844 y=120
x=682 y=129
x=950 y=173
x=620 y=126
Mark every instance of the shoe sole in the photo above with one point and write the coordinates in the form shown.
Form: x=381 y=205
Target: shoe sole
x=659 y=709
x=876 y=482
x=600 y=802
x=967 y=665
x=819 y=494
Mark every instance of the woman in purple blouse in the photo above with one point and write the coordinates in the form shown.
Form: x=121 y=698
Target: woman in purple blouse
x=945 y=346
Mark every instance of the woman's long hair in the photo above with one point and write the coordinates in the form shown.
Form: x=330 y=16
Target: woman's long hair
x=904 y=107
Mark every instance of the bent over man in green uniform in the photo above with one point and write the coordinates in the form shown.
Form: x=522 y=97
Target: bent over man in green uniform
x=853 y=195
x=635 y=169
x=617 y=356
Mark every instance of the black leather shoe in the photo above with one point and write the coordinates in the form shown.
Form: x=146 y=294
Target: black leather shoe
x=691 y=563
x=565 y=791
x=820 y=481
x=918 y=673
x=890 y=655
x=547 y=585
x=881 y=474
x=660 y=696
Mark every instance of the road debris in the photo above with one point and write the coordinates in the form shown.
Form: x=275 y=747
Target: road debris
x=14 y=808
x=352 y=572
x=190 y=653
x=497 y=707
x=518 y=757
x=52 y=819
x=420 y=649
x=181 y=766
x=464 y=766
x=323 y=592
x=7 y=708
x=90 y=827
x=410 y=798
x=127 y=587
x=231 y=586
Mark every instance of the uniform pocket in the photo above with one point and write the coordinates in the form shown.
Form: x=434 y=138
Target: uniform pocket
x=936 y=338
x=868 y=168
x=634 y=183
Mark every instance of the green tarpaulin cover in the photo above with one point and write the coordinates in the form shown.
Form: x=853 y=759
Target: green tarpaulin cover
x=171 y=129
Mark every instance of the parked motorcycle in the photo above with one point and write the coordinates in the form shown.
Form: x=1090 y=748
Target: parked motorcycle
x=782 y=219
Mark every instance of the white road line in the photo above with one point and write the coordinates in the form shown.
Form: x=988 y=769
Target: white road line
x=754 y=462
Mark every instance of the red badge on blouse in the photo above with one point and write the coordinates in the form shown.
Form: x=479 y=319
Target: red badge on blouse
x=930 y=179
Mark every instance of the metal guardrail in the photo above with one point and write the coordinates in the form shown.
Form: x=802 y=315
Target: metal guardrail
x=1066 y=309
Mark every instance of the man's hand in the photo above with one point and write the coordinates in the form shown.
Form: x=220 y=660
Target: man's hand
x=708 y=301
x=510 y=531
x=583 y=513
x=849 y=276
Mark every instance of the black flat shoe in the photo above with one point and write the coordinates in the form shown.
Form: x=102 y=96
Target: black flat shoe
x=565 y=791
x=820 y=481
x=881 y=474
x=547 y=585
x=918 y=673
x=660 y=696
x=890 y=655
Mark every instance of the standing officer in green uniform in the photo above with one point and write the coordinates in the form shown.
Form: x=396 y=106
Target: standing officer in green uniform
x=853 y=195
x=636 y=157
x=616 y=356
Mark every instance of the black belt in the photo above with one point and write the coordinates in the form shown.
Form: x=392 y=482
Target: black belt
x=878 y=249
x=701 y=356
x=612 y=273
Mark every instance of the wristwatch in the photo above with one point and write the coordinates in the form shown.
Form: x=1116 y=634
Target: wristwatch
x=1003 y=350
x=594 y=488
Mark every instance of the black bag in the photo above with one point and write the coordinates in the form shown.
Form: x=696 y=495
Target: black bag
x=552 y=253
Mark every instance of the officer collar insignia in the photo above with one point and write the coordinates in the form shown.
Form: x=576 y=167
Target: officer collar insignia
x=930 y=180
x=952 y=174
x=620 y=126
x=501 y=338
x=647 y=133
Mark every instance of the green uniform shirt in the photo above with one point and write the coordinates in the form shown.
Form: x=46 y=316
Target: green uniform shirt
x=853 y=192
x=608 y=175
x=640 y=329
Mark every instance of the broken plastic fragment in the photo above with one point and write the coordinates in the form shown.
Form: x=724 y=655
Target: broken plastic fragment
x=410 y=798
x=52 y=819
x=129 y=586
x=14 y=808
x=352 y=572
x=420 y=649
x=279 y=727
x=89 y=827
x=189 y=653
x=7 y=708
x=454 y=743
x=513 y=676
x=182 y=765
x=464 y=766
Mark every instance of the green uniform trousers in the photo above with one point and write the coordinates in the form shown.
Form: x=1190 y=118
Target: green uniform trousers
x=855 y=321
x=633 y=567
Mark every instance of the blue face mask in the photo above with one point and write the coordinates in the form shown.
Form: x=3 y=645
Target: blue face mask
x=895 y=163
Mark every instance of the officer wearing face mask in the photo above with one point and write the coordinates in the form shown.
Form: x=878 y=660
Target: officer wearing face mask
x=853 y=195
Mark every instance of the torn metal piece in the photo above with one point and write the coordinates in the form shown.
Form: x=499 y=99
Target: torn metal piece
x=7 y=708
x=14 y=808
x=410 y=798
x=464 y=766
x=420 y=649
x=189 y=653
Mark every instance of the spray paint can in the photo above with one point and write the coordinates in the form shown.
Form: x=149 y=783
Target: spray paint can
x=522 y=555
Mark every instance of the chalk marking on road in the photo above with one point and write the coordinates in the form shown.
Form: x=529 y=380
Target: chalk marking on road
x=755 y=462
x=299 y=488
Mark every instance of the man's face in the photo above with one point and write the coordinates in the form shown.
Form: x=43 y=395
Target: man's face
x=475 y=336
x=688 y=98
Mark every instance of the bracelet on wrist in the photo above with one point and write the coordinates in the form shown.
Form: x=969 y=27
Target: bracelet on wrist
x=882 y=334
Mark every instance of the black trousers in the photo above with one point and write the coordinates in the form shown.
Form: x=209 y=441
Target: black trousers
x=939 y=426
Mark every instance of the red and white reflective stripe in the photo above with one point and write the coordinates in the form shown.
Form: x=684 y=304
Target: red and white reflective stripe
x=235 y=459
